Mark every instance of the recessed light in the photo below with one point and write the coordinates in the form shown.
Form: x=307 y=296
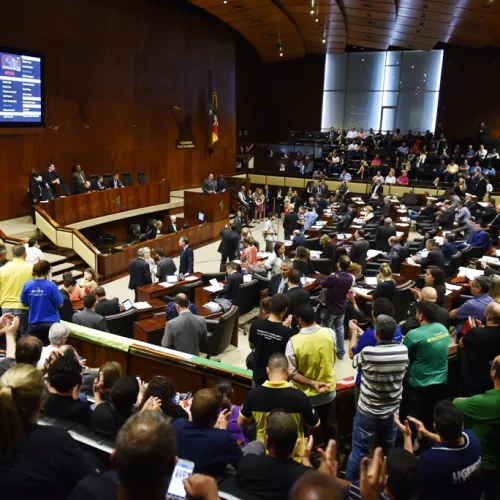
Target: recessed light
x=324 y=40
x=312 y=12
x=317 y=19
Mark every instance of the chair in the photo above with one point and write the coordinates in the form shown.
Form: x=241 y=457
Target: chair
x=123 y=323
x=403 y=297
x=323 y=266
x=127 y=179
x=220 y=332
x=106 y=178
x=454 y=264
x=142 y=178
x=410 y=199
x=135 y=229
x=93 y=178
x=312 y=244
x=206 y=277
x=248 y=296
x=263 y=281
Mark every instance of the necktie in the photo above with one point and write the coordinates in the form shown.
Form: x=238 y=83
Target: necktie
x=282 y=285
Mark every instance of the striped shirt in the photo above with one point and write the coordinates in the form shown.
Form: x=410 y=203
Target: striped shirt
x=383 y=368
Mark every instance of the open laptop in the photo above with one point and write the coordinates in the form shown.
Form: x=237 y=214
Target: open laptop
x=127 y=304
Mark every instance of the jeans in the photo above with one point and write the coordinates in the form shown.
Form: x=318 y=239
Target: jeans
x=327 y=414
x=23 y=318
x=365 y=430
x=336 y=322
x=269 y=246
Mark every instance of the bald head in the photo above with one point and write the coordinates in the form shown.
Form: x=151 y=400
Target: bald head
x=492 y=313
x=429 y=294
x=315 y=486
x=145 y=453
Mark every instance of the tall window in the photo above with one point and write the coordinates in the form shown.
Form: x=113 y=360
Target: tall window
x=382 y=90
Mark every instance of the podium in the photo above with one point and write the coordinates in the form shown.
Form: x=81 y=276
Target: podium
x=213 y=206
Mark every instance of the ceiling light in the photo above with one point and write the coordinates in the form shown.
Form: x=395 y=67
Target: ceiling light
x=225 y=2
x=281 y=54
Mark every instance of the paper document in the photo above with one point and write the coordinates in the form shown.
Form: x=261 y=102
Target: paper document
x=400 y=234
x=490 y=260
x=451 y=287
x=288 y=243
x=213 y=289
x=215 y=284
x=247 y=278
x=262 y=255
x=402 y=224
x=373 y=253
x=371 y=280
x=470 y=274
x=142 y=305
x=448 y=292
x=424 y=253
x=315 y=254
x=164 y=284
x=410 y=261
x=482 y=203
x=364 y=291
x=212 y=306
x=310 y=280
x=191 y=278
x=239 y=261
x=497 y=252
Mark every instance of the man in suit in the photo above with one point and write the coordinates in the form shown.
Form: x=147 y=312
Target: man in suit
x=495 y=225
x=447 y=217
x=88 y=317
x=78 y=180
x=172 y=225
x=383 y=234
x=98 y=184
x=114 y=182
x=238 y=222
x=359 y=249
x=279 y=282
x=165 y=266
x=489 y=213
x=51 y=177
x=187 y=331
x=435 y=256
x=298 y=240
x=186 y=265
x=139 y=271
x=298 y=296
x=480 y=189
x=268 y=200
x=290 y=222
x=296 y=200
x=106 y=307
x=376 y=190
x=322 y=204
x=393 y=256
x=233 y=281
x=209 y=186
x=222 y=185
x=471 y=203
x=228 y=247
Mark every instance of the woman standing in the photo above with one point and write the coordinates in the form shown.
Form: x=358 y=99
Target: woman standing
x=248 y=256
x=44 y=299
x=259 y=204
x=277 y=257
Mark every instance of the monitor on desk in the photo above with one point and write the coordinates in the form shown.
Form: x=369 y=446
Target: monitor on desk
x=127 y=304
x=201 y=217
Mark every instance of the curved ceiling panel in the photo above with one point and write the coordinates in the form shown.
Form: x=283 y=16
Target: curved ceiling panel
x=296 y=27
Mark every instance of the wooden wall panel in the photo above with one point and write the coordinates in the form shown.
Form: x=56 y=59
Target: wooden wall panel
x=112 y=67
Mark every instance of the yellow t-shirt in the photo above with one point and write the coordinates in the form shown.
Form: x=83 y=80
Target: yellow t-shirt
x=13 y=276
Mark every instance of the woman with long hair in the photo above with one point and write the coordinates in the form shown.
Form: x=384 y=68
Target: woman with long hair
x=386 y=287
x=34 y=459
x=434 y=277
x=302 y=261
x=259 y=204
x=327 y=245
x=89 y=281
x=44 y=300
x=107 y=375
x=274 y=261
x=225 y=389
x=248 y=257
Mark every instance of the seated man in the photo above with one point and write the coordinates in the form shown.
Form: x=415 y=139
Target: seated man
x=298 y=240
x=205 y=439
x=478 y=238
x=271 y=475
x=114 y=182
x=435 y=256
x=105 y=307
x=452 y=467
x=58 y=335
x=88 y=317
x=449 y=248
x=65 y=379
x=233 y=281
x=98 y=184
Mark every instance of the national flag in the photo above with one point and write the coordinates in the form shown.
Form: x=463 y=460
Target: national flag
x=215 y=123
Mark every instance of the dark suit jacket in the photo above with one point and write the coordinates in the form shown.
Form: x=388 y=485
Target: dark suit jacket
x=165 y=267
x=171 y=229
x=428 y=211
x=290 y=222
x=495 y=227
x=187 y=261
x=305 y=268
x=97 y=187
x=222 y=185
x=447 y=219
x=66 y=311
x=90 y=319
x=274 y=284
x=382 y=238
x=434 y=258
x=487 y=215
x=140 y=274
x=209 y=186
x=327 y=252
x=298 y=241
x=108 y=307
x=231 y=286
x=229 y=244
x=238 y=223
x=111 y=183
x=480 y=190
x=359 y=251
x=298 y=296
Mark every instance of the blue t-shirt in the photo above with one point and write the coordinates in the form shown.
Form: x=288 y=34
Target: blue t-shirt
x=210 y=449
x=474 y=308
x=452 y=471
x=43 y=299
x=368 y=339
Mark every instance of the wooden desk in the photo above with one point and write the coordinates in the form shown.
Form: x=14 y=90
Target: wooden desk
x=310 y=287
x=77 y=208
x=157 y=306
x=154 y=291
x=410 y=272
x=213 y=206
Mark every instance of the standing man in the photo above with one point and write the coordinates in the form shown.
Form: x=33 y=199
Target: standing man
x=290 y=221
x=337 y=286
x=383 y=368
x=51 y=177
x=186 y=332
x=78 y=180
x=482 y=417
x=13 y=276
x=229 y=244
x=481 y=134
x=221 y=185
x=297 y=295
x=238 y=222
x=33 y=252
x=279 y=282
x=139 y=271
x=268 y=199
x=172 y=225
x=209 y=186
x=311 y=366
x=270 y=233
x=383 y=234
x=186 y=265
x=165 y=266
x=114 y=182
x=359 y=249
x=428 y=353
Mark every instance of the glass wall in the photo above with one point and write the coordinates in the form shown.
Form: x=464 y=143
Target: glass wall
x=382 y=90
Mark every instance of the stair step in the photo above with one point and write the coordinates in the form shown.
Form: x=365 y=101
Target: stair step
x=61 y=268
x=58 y=279
x=53 y=258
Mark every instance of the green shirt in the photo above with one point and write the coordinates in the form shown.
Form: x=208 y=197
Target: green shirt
x=428 y=352
x=482 y=417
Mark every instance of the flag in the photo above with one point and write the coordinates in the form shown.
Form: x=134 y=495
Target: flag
x=215 y=123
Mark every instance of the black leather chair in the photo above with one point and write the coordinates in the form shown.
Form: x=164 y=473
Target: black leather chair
x=135 y=229
x=452 y=268
x=188 y=289
x=403 y=297
x=323 y=266
x=263 y=281
x=312 y=244
x=123 y=323
x=220 y=332
x=248 y=296
x=206 y=277
x=93 y=178
x=127 y=179
x=106 y=178
x=141 y=177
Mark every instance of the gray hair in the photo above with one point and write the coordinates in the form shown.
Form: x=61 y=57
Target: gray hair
x=142 y=251
x=387 y=221
x=287 y=262
x=385 y=327
x=58 y=333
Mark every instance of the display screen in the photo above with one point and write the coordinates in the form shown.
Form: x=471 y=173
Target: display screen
x=21 y=97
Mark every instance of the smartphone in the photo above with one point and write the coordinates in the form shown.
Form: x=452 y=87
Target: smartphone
x=183 y=469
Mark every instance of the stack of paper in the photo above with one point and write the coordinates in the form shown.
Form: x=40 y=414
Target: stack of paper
x=262 y=255
x=497 y=251
x=451 y=287
x=315 y=254
x=470 y=274
x=191 y=278
x=165 y=284
x=247 y=278
x=215 y=287
x=410 y=261
x=364 y=291
x=142 y=305
x=212 y=306
x=404 y=219
x=490 y=260
x=310 y=280
x=373 y=253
